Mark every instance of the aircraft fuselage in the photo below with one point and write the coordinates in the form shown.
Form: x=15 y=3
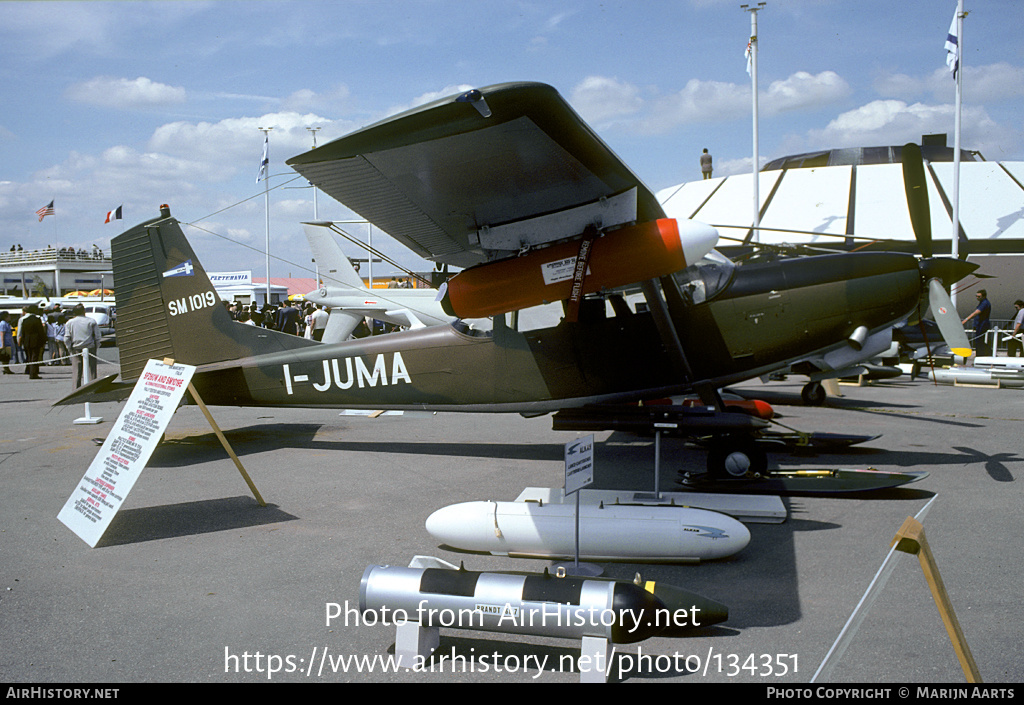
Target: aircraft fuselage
x=766 y=316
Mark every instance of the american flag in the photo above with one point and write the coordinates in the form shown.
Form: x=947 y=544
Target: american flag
x=45 y=211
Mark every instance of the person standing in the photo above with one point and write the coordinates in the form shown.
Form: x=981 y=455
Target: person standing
x=1015 y=348
x=32 y=338
x=288 y=319
x=981 y=317
x=705 y=164
x=6 y=340
x=318 y=321
x=81 y=333
x=62 y=347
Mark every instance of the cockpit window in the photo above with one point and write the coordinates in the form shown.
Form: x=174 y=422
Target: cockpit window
x=704 y=280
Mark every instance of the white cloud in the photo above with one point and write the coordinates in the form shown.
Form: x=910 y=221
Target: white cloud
x=336 y=100
x=236 y=143
x=889 y=122
x=804 y=91
x=899 y=85
x=140 y=92
x=606 y=100
x=991 y=83
x=982 y=84
x=599 y=99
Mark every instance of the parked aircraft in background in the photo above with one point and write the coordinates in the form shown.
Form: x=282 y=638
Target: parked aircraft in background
x=351 y=301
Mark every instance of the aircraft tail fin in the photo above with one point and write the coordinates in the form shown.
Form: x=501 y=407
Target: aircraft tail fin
x=167 y=306
x=335 y=268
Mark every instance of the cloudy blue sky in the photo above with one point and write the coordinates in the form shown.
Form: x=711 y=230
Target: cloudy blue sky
x=142 y=103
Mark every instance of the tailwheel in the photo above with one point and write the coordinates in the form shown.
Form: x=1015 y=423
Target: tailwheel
x=813 y=394
x=736 y=456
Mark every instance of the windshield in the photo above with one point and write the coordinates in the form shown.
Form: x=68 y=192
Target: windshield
x=706 y=278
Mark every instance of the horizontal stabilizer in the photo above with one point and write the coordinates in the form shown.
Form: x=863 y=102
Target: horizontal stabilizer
x=99 y=390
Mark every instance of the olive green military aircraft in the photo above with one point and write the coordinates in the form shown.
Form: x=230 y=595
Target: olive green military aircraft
x=509 y=183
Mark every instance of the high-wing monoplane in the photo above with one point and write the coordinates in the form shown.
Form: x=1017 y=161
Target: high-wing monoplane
x=510 y=183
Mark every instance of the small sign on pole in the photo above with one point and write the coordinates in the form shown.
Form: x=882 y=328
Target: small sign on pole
x=128 y=447
x=579 y=473
x=579 y=464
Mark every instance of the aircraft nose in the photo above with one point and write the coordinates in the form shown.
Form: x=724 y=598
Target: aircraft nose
x=698 y=239
x=947 y=269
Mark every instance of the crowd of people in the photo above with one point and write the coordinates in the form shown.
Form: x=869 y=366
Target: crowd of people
x=17 y=253
x=308 y=320
x=49 y=336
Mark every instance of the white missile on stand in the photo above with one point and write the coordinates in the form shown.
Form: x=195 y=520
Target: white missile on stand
x=983 y=376
x=667 y=533
x=1010 y=363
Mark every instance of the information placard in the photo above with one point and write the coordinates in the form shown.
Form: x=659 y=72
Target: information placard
x=128 y=447
x=579 y=464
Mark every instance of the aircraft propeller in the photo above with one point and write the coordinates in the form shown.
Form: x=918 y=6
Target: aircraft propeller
x=933 y=270
x=917 y=197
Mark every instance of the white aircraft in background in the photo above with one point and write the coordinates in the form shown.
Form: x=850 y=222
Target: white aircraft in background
x=351 y=301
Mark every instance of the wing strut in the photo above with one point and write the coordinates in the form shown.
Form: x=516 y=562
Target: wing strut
x=666 y=328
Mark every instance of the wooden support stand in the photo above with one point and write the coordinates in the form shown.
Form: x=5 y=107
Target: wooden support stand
x=222 y=439
x=910 y=539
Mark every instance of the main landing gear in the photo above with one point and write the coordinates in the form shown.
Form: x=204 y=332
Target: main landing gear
x=813 y=394
x=736 y=455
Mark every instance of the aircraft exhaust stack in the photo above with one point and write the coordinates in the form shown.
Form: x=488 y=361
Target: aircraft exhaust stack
x=858 y=338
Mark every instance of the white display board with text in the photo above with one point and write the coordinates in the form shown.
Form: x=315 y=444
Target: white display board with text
x=126 y=450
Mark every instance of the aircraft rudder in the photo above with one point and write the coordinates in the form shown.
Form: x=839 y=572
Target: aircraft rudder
x=333 y=265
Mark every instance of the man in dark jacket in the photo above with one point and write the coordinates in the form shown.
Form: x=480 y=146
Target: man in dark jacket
x=287 y=319
x=32 y=339
x=981 y=315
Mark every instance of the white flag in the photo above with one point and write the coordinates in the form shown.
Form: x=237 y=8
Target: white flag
x=953 y=48
x=748 y=58
x=266 y=159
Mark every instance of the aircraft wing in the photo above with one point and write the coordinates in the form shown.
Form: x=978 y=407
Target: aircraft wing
x=481 y=175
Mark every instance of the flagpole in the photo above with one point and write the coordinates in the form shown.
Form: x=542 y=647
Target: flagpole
x=265 y=169
x=755 y=236
x=956 y=136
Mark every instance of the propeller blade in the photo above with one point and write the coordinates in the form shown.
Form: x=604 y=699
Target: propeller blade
x=917 y=197
x=948 y=320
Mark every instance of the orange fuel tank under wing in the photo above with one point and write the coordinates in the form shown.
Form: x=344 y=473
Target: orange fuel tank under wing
x=624 y=256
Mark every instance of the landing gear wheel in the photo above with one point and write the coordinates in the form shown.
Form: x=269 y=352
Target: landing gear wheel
x=733 y=458
x=813 y=394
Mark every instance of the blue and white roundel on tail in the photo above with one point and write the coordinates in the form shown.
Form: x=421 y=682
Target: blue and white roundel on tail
x=184 y=269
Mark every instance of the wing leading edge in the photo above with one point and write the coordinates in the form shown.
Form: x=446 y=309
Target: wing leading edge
x=481 y=175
